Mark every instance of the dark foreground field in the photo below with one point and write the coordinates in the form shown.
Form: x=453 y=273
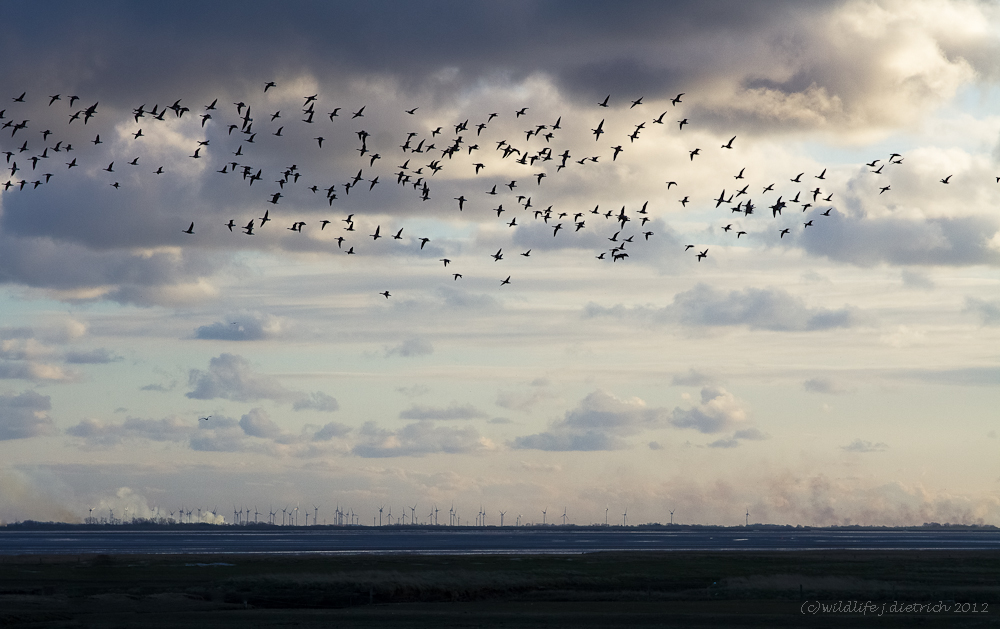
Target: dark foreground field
x=595 y=590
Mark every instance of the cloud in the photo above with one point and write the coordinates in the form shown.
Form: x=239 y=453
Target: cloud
x=824 y=385
x=316 y=401
x=257 y=423
x=454 y=411
x=410 y=348
x=988 y=311
x=95 y=356
x=418 y=439
x=242 y=326
x=106 y=434
x=524 y=401
x=759 y=309
x=25 y=415
x=719 y=410
x=598 y=423
x=692 y=378
x=916 y=280
x=331 y=430
x=231 y=377
x=864 y=446
x=36 y=372
x=866 y=241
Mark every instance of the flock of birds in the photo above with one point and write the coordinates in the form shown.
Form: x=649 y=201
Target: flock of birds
x=417 y=158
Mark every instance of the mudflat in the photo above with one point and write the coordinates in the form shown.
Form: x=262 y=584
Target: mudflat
x=692 y=589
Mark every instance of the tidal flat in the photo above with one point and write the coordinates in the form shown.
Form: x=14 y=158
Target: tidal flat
x=692 y=589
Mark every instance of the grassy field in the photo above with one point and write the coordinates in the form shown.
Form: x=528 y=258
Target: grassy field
x=690 y=589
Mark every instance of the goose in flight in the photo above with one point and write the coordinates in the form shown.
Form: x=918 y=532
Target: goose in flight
x=190 y=229
x=599 y=130
x=506 y=281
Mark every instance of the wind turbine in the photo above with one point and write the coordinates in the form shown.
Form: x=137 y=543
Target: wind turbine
x=671 y=516
x=413 y=510
x=451 y=515
x=544 y=511
x=255 y=514
x=748 y=517
x=435 y=515
x=501 y=518
x=564 y=516
x=625 y=517
x=605 y=516
x=315 y=515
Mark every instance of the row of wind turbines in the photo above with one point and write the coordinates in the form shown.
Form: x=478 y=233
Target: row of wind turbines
x=342 y=517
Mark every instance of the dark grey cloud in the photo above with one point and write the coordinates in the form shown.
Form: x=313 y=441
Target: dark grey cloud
x=454 y=411
x=416 y=439
x=746 y=67
x=25 y=415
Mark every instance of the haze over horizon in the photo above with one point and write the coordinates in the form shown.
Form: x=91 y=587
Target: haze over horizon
x=843 y=372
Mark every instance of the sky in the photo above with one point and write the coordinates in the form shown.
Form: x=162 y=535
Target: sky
x=577 y=354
